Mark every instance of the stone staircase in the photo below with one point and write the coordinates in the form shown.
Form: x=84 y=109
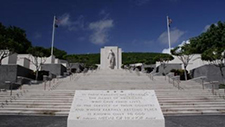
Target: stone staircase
x=57 y=96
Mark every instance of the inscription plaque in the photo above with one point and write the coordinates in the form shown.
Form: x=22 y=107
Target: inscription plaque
x=115 y=108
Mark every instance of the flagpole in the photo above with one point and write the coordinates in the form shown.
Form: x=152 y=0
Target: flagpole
x=168 y=29
x=53 y=35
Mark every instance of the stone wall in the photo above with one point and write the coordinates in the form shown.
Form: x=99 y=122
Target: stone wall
x=25 y=72
x=210 y=71
x=160 y=70
x=56 y=69
x=10 y=73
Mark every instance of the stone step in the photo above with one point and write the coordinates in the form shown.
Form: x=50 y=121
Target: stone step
x=53 y=106
x=190 y=99
x=186 y=101
x=219 y=109
x=194 y=103
x=186 y=107
x=45 y=101
x=38 y=103
x=47 y=98
x=35 y=109
x=45 y=113
x=186 y=113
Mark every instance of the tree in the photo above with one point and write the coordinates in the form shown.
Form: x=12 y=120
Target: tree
x=211 y=45
x=12 y=39
x=163 y=59
x=216 y=56
x=213 y=37
x=70 y=59
x=185 y=54
x=38 y=52
x=58 y=53
x=3 y=54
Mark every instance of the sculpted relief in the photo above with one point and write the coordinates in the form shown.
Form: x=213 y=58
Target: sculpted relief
x=112 y=59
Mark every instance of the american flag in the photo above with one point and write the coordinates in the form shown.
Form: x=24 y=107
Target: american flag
x=169 y=21
x=56 y=22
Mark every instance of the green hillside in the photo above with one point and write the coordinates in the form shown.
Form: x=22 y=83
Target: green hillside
x=127 y=58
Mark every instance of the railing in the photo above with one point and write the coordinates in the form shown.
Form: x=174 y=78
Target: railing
x=213 y=85
x=151 y=75
x=169 y=75
x=137 y=72
x=175 y=80
x=200 y=80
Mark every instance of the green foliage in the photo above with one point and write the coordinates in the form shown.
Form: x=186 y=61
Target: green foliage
x=89 y=59
x=14 y=39
x=181 y=73
x=58 y=53
x=38 y=51
x=213 y=37
x=213 y=54
x=222 y=86
x=211 y=45
x=163 y=57
x=147 y=58
x=186 y=49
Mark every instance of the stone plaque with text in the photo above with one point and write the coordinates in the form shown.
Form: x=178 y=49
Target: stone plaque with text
x=115 y=108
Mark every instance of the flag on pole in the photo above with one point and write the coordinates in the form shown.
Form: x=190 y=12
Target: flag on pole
x=56 y=22
x=169 y=21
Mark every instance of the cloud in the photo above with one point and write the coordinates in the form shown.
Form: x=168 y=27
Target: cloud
x=100 y=31
x=65 y=21
x=184 y=42
x=175 y=35
x=206 y=28
x=166 y=51
x=180 y=45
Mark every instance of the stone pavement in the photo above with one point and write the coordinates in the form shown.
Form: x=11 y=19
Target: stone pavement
x=61 y=121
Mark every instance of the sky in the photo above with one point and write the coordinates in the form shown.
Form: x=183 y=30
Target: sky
x=85 y=26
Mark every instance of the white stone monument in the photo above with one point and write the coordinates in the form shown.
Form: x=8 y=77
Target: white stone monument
x=111 y=57
x=115 y=108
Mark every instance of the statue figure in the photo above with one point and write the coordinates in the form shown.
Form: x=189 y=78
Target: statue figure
x=112 y=61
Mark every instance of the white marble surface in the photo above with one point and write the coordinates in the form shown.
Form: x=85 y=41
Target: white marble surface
x=115 y=108
x=104 y=63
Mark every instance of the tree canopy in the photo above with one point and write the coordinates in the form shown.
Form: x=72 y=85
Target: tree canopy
x=163 y=57
x=58 y=53
x=214 y=37
x=147 y=58
x=13 y=39
x=38 y=51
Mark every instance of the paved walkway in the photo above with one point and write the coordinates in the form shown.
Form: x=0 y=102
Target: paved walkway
x=50 y=121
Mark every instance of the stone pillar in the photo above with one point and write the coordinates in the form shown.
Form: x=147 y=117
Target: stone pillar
x=106 y=55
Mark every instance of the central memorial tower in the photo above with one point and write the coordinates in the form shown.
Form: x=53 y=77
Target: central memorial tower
x=111 y=57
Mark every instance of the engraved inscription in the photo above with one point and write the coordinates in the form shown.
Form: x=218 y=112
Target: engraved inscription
x=116 y=105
